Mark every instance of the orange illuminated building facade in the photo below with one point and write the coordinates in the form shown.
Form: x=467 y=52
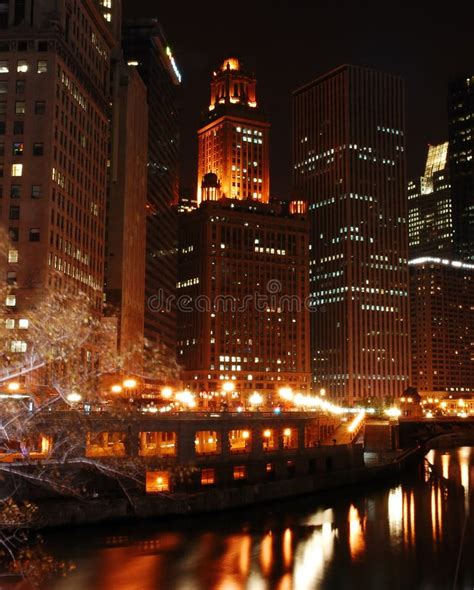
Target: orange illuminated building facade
x=243 y=258
x=234 y=138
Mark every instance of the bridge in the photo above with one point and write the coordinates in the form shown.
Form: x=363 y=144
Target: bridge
x=454 y=430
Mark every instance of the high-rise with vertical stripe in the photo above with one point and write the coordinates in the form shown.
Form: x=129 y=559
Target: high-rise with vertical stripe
x=349 y=162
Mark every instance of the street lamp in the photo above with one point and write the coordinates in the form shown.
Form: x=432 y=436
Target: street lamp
x=13 y=386
x=286 y=393
x=322 y=392
x=255 y=399
x=228 y=387
x=166 y=392
x=74 y=397
x=116 y=388
x=130 y=383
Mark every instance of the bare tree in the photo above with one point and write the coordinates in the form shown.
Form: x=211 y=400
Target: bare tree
x=57 y=354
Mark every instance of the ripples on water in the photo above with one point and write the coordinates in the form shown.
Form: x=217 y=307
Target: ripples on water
x=404 y=536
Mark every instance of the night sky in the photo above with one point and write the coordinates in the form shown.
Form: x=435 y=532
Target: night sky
x=288 y=43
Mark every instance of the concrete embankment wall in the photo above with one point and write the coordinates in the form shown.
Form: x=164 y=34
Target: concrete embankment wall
x=72 y=512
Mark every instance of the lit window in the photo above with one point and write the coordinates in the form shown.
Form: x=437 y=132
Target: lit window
x=18 y=346
x=20 y=107
x=23 y=324
x=12 y=255
x=239 y=441
x=4 y=67
x=42 y=67
x=9 y=324
x=10 y=301
x=206 y=442
x=157 y=481
x=22 y=65
x=17 y=169
x=208 y=477
x=240 y=472
x=158 y=444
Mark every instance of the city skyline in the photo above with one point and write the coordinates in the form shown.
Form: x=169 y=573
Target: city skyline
x=289 y=48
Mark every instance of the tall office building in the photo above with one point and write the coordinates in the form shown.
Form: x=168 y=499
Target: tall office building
x=348 y=159
x=54 y=128
x=461 y=165
x=441 y=285
x=430 y=209
x=146 y=48
x=243 y=260
x=442 y=326
x=126 y=210
x=233 y=140
x=244 y=273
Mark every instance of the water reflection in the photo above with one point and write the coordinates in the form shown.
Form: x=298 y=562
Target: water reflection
x=405 y=535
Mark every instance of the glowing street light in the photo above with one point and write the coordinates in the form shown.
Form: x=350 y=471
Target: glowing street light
x=130 y=383
x=322 y=392
x=186 y=398
x=228 y=386
x=255 y=399
x=166 y=392
x=116 y=388
x=74 y=397
x=13 y=386
x=286 y=393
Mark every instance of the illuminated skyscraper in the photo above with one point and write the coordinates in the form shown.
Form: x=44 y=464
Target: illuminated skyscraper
x=54 y=128
x=430 y=211
x=461 y=165
x=442 y=326
x=145 y=47
x=234 y=136
x=243 y=260
x=349 y=160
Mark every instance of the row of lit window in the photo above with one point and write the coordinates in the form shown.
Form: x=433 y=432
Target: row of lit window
x=22 y=67
x=23 y=323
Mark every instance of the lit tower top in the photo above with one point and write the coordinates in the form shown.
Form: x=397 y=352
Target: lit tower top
x=232 y=85
x=233 y=139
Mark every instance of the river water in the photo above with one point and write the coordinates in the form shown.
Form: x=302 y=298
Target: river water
x=414 y=534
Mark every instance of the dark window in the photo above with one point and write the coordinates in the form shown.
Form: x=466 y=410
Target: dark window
x=11 y=277
x=3 y=107
x=18 y=148
x=18 y=127
x=34 y=234
x=1 y=191
x=22 y=45
x=14 y=212
x=40 y=107
x=14 y=234
x=37 y=149
x=2 y=149
x=36 y=191
x=15 y=191
x=3 y=87
x=1 y=170
x=42 y=46
x=2 y=127
x=20 y=86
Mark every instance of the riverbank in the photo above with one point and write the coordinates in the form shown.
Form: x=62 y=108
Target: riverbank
x=54 y=513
